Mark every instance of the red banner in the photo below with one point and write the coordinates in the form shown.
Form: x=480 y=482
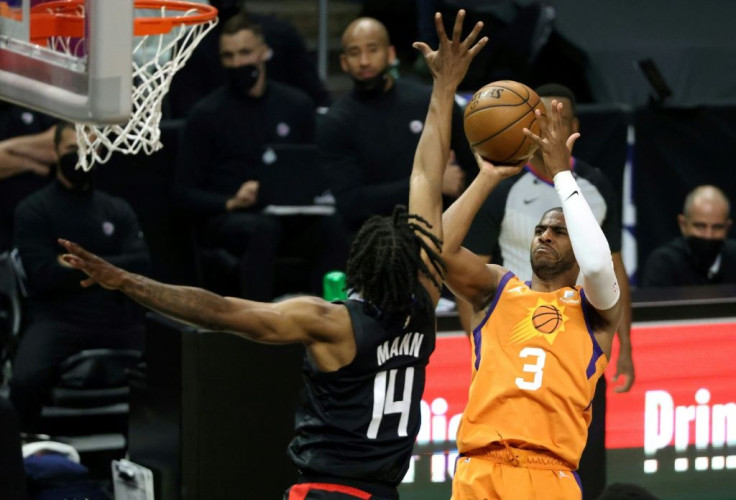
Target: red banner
x=685 y=389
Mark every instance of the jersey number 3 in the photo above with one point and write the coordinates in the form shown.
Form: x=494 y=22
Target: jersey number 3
x=384 y=402
x=535 y=368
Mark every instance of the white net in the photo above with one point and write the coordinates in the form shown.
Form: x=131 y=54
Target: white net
x=156 y=58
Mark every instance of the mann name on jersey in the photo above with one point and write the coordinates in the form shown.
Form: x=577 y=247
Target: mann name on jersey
x=407 y=344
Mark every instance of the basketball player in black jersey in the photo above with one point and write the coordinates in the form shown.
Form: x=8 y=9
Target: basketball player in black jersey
x=366 y=357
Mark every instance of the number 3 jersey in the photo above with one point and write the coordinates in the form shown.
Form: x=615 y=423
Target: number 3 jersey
x=535 y=366
x=361 y=421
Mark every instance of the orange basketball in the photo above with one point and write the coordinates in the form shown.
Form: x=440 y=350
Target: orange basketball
x=495 y=118
x=546 y=319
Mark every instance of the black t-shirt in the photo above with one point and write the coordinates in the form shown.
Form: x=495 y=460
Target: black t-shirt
x=224 y=141
x=368 y=145
x=342 y=429
x=101 y=223
x=673 y=265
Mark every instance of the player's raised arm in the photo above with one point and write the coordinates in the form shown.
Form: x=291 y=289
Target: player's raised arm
x=448 y=65
x=303 y=319
x=468 y=276
x=588 y=241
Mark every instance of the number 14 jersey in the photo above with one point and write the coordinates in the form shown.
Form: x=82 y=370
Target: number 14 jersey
x=361 y=421
x=535 y=366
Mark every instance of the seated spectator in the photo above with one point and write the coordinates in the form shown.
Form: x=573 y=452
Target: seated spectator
x=368 y=137
x=702 y=255
x=26 y=160
x=64 y=316
x=223 y=157
x=287 y=61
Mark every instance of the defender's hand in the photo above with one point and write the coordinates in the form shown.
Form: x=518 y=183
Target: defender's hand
x=99 y=270
x=449 y=63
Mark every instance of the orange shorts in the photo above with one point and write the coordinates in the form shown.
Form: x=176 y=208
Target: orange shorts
x=483 y=477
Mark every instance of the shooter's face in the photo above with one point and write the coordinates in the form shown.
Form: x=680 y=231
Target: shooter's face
x=551 y=250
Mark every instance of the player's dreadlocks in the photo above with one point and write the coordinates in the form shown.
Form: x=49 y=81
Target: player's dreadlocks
x=385 y=262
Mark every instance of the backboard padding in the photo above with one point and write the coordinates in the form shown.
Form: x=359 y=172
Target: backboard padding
x=92 y=87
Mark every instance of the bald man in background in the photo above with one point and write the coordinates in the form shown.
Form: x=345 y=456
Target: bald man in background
x=702 y=255
x=368 y=137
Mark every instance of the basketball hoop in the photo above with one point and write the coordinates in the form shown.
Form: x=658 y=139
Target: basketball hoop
x=165 y=37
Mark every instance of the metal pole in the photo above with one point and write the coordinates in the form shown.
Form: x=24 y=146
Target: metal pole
x=322 y=40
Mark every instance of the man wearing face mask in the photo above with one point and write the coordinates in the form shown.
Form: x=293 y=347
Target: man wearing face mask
x=63 y=317
x=288 y=60
x=369 y=136
x=702 y=255
x=222 y=160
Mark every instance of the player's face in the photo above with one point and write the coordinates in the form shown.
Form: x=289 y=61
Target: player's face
x=242 y=49
x=551 y=251
x=366 y=52
x=707 y=219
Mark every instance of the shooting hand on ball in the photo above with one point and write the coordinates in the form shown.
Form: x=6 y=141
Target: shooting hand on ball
x=499 y=171
x=555 y=148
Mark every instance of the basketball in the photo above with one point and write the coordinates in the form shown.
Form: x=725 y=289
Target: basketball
x=546 y=319
x=495 y=118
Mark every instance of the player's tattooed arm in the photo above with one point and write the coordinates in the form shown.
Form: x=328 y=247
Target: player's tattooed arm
x=302 y=319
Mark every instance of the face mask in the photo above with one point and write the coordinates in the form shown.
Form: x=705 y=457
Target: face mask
x=243 y=78
x=371 y=87
x=704 y=251
x=80 y=179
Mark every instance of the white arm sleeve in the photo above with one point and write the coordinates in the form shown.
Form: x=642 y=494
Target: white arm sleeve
x=588 y=243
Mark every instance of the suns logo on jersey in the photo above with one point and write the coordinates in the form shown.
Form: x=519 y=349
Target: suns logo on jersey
x=545 y=319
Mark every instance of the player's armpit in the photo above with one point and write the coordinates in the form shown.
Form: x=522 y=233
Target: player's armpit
x=303 y=320
x=470 y=278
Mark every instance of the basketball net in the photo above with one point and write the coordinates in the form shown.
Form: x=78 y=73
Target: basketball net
x=156 y=58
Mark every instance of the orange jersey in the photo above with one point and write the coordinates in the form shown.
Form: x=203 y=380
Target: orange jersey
x=535 y=367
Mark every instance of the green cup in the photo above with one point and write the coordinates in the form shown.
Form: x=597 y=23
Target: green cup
x=333 y=286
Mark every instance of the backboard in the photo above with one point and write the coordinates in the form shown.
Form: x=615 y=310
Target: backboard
x=91 y=85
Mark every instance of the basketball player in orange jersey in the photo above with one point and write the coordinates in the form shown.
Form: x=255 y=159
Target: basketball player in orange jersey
x=538 y=348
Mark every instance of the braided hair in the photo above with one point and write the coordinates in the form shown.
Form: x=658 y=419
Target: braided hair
x=385 y=262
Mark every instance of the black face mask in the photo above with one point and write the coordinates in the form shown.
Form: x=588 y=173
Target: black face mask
x=704 y=251
x=80 y=179
x=371 y=87
x=243 y=78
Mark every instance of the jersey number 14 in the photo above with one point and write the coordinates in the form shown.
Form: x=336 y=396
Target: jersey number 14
x=384 y=402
